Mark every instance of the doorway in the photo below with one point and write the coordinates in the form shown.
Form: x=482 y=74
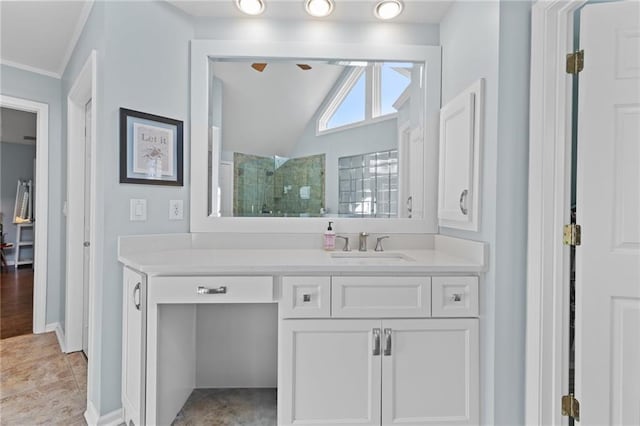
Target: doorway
x=80 y=266
x=606 y=292
x=17 y=218
x=32 y=244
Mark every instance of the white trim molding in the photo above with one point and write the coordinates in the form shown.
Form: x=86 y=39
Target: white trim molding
x=30 y=69
x=82 y=20
x=547 y=340
x=41 y=207
x=93 y=418
x=57 y=328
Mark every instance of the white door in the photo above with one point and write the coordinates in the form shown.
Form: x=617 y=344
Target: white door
x=329 y=372
x=430 y=372
x=87 y=228
x=608 y=208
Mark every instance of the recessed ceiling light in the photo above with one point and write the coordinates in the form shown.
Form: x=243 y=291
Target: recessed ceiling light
x=319 y=8
x=250 y=7
x=388 y=9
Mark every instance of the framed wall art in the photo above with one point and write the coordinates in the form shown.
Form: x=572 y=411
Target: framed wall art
x=151 y=149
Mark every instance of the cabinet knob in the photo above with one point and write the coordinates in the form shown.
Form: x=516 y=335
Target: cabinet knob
x=456 y=297
x=306 y=298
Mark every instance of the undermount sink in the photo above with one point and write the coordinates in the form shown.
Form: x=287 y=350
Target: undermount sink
x=372 y=257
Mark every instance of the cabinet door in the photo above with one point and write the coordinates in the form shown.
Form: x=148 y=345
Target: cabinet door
x=460 y=133
x=430 y=372
x=328 y=373
x=133 y=347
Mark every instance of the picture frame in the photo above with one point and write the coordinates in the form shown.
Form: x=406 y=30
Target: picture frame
x=151 y=149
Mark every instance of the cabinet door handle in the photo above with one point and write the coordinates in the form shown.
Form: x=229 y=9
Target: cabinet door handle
x=387 y=342
x=376 y=342
x=205 y=290
x=136 y=292
x=409 y=206
x=463 y=202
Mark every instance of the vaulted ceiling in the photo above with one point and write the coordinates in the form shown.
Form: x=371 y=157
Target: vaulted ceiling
x=266 y=112
x=40 y=35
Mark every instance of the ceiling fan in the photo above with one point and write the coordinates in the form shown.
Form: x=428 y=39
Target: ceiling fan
x=260 y=66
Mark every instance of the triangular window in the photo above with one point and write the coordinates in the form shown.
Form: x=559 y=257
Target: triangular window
x=394 y=79
x=366 y=93
x=352 y=108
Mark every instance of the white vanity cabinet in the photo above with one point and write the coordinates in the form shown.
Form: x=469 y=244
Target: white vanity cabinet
x=394 y=364
x=343 y=347
x=133 y=359
x=329 y=373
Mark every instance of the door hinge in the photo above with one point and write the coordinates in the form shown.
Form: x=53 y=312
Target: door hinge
x=571 y=406
x=575 y=62
x=572 y=235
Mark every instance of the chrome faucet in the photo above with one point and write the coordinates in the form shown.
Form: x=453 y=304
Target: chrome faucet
x=346 y=243
x=379 y=243
x=363 y=241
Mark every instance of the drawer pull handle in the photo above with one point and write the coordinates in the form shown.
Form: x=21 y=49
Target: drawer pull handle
x=136 y=292
x=306 y=298
x=387 y=340
x=205 y=290
x=376 y=342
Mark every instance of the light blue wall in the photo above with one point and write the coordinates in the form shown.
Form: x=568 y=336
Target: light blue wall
x=511 y=211
x=315 y=31
x=16 y=162
x=36 y=87
x=497 y=50
x=143 y=64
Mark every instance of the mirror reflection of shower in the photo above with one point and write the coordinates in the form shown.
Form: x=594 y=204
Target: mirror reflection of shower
x=280 y=139
x=278 y=186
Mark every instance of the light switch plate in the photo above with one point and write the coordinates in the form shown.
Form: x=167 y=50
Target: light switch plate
x=138 y=209
x=176 y=210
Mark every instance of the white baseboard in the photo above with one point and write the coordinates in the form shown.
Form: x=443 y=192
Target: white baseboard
x=92 y=417
x=57 y=327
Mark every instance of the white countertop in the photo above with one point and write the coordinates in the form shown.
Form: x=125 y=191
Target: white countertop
x=197 y=261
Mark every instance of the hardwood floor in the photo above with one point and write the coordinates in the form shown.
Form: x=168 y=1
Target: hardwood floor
x=16 y=302
x=40 y=385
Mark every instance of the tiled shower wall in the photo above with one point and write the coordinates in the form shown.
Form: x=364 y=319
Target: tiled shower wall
x=267 y=186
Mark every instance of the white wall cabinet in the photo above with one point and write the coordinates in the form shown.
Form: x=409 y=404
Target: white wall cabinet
x=460 y=154
x=133 y=377
x=379 y=372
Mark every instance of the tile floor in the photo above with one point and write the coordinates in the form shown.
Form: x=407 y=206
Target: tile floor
x=229 y=407
x=40 y=385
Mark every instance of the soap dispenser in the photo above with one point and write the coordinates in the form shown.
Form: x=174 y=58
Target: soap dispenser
x=330 y=238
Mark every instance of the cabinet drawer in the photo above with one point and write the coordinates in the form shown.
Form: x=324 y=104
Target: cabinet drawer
x=380 y=297
x=455 y=297
x=306 y=297
x=210 y=289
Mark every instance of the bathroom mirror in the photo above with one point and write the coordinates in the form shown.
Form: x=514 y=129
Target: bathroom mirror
x=289 y=136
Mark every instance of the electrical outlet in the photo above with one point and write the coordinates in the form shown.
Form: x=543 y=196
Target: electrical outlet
x=138 y=209
x=176 y=210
